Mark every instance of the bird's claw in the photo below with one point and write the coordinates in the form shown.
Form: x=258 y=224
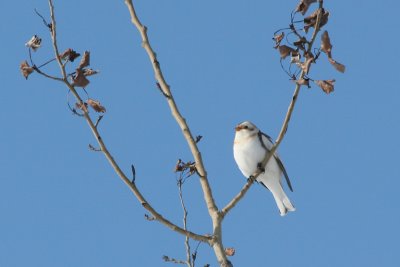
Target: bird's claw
x=260 y=167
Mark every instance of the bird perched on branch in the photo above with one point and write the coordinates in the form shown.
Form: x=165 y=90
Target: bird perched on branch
x=249 y=149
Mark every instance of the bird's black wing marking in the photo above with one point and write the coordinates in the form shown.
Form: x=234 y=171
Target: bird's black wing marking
x=278 y=160
x=268 y=137
x=263 y=185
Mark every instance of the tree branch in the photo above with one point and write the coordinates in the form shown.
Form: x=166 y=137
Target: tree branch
x=108 y=155
x=284 y=127
x=208 y=197
x=212 y=207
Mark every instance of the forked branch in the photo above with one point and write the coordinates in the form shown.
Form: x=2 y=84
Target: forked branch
x=103 y=148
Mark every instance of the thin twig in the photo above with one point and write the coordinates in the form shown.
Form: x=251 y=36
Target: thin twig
x=283 y=131
x=185 y=213
x=48 y=25
x=47 y=75
x=108 y=155
x=98 y=121
x=173 y=260
x=47 y=62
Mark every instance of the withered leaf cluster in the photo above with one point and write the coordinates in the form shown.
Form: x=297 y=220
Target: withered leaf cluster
x=189 y=167
x=301 y=51
x=79 y=79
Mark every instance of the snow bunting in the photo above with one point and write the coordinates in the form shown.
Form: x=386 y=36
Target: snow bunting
x=249 y=149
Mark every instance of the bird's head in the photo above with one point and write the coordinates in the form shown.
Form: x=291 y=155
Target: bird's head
x=246 y=129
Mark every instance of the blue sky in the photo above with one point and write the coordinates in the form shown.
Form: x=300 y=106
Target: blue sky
x=62 y=205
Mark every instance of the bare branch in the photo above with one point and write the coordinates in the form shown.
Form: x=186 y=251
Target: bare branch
x=174 y=109
x=216 y=241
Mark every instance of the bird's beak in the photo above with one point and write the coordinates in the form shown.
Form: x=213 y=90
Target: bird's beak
x=238 y=128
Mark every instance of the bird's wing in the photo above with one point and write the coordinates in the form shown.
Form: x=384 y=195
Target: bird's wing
x=267 y=146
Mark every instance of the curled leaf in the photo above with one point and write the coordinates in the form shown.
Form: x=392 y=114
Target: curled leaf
x=79 y=79
x=25 y=69
x=85 y=61
x=278 y=38
x=285 y=50
x=326 y=45
x=303 y=6
x=69 y=55
x=96 y=105
x=230 y=251
x=327 y=86
x=34 y=42
x=311 y=20
x=89 y=72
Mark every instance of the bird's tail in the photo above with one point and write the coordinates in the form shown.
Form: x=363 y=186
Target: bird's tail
x=283 y=202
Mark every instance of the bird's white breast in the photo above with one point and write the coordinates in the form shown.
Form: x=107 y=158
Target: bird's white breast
x=248 y=152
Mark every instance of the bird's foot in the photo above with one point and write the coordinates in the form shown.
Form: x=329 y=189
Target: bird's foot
x=260 y=167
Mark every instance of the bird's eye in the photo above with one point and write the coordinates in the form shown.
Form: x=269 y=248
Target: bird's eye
x=245 y=127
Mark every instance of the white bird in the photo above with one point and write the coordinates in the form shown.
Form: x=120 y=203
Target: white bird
x=249 y=149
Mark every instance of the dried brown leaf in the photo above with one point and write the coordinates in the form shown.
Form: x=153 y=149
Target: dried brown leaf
x=85 y=61
x=327 y=86
x=178 y=166
x=326 y=45
x=285 y=50
x=34 y=42
x=278 y=38
x=312 y=19
x=303 y=6
x=230 y=251
x=96 y=105
x=25 y=69
x=338 y=66
x=69 y=55
x=79 y=79
x=89 y=72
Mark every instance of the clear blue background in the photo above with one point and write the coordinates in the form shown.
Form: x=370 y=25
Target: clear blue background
x=62 y=205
